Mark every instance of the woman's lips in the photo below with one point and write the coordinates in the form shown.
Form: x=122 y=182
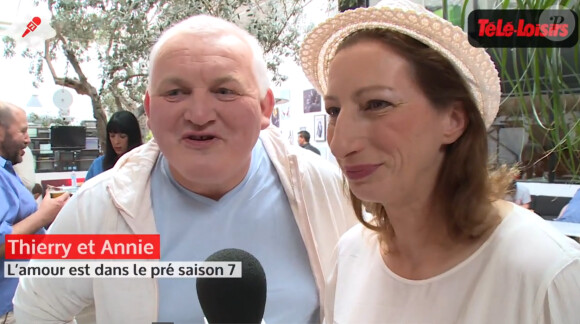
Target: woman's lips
x=357 y=172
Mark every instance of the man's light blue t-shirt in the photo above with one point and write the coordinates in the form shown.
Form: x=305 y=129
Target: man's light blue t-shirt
x=16 y=203
x=256 y=217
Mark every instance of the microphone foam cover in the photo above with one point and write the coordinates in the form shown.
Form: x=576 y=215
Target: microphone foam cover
x=234 y=300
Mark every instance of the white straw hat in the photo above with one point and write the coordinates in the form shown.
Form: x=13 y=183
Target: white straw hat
x=411 y=19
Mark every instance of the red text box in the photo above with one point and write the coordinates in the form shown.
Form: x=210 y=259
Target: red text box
x=82 y=246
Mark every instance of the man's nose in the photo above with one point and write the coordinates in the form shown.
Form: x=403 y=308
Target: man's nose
x=200 y=109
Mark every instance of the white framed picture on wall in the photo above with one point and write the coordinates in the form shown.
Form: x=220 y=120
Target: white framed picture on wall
x=320 y=128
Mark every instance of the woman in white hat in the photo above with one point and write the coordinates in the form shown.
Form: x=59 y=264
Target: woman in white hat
x=409 y=101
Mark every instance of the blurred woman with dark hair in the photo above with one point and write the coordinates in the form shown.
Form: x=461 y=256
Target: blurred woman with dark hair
x=124 y=134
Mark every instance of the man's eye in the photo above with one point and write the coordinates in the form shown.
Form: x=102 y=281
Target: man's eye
x=225 y=91
x=377 y=104
x=225 y=94
x=173 y=93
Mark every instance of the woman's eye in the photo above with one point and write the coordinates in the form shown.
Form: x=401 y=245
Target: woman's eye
x=333 y=111
x=377 y=104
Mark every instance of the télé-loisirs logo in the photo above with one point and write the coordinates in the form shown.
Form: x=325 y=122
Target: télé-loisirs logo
x=523 y=28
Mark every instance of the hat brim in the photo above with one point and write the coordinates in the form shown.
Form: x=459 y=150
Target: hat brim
x=473 y=64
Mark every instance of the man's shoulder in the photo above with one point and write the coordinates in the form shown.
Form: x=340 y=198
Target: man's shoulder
x=278 y=149
x=8 y=191
x=96 y=186
x=128 y=179
x=313 y=148
x=315 y=163
x=9 y=182
x=522 y=188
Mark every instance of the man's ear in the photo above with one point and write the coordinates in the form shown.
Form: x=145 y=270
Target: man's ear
x=147 y=105
x=455 y=122
x=267 y=106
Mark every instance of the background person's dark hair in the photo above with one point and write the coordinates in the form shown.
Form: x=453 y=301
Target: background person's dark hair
x=305 y=135
x=121 y=122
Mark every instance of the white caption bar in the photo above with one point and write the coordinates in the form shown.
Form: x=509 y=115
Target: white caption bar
x=122 y=269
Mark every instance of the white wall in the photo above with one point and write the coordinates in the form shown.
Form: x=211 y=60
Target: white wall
x=292 y=116
x=293 y=88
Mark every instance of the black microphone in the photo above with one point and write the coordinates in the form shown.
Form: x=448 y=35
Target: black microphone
x=234 y=300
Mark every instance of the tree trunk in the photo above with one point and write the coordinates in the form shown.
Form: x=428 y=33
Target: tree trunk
x=99 y=115
x=142 y=118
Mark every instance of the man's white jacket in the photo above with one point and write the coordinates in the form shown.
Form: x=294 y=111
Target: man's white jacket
x=118 y=202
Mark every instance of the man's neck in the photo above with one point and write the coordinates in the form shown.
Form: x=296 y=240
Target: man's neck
x=212 y=191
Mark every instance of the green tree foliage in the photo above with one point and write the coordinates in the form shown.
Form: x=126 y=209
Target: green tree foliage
x=344 y=5
x=118 y=35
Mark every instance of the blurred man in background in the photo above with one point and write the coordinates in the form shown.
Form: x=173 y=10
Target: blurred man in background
x=304 y=141
x=571 y=212
x=19 y=213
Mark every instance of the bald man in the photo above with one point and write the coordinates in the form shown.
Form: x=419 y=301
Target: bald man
x=19 y=213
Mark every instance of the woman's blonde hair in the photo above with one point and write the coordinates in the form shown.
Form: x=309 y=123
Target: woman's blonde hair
x=466 y=186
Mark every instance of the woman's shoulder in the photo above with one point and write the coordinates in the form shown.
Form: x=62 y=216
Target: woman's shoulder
x=527 y=242
x=95 y=168
x=532 y=256
x=357 y=240
x=97 y=162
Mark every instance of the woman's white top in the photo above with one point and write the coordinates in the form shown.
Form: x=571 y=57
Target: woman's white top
x=526 y=272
